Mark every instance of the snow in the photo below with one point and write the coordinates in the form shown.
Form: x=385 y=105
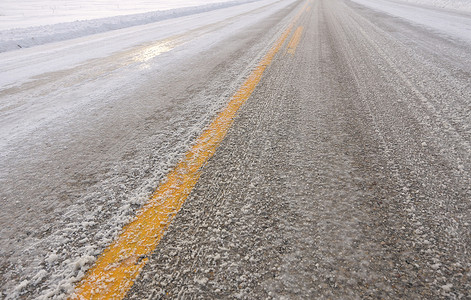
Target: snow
x=81 y=70
x=29 y=13
x=459 y=5
x=455 y=24
x=21 y=27
x=60 y=95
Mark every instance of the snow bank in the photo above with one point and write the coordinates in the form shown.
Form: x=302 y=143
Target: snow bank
x=445 y=23
x=460 y=5
x=30 y=13
x=17 y=38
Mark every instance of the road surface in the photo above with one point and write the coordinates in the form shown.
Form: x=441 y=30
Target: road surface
x=346 y=174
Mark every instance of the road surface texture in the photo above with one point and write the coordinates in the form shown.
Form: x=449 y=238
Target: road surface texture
x=346 y=174
x=82 y=146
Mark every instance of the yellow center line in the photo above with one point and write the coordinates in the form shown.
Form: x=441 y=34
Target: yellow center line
x=293 y=44
x=115 y=270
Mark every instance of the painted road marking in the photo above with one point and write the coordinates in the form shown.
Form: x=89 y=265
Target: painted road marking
x=116 y=269
x=293 y=44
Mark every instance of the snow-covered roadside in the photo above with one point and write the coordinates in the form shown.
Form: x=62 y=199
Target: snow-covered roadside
x=445 y=22
x=30 y=13
x=459 y=5
x=17 y=38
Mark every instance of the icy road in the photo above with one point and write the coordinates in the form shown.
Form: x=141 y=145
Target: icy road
x=319 y=149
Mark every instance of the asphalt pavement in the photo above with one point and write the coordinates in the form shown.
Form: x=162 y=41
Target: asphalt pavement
x=346 y=175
